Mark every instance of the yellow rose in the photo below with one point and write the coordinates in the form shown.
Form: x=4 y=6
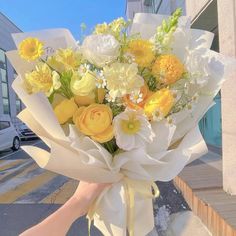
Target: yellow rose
x=87 y=100
x=83 y=86
x=65 y=110
x=159 y=104
x=96 y=122
x=77 y=113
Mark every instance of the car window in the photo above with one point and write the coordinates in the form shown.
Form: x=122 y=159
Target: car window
x=4 y=124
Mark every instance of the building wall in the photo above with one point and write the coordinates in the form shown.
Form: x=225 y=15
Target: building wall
x=195 y=7
x=165 y=7
x=6 y=43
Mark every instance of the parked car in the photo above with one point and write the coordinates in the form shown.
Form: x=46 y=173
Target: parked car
x=9 y=137
x=25 y=133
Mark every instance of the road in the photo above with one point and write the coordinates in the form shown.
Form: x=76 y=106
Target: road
x=28 y=193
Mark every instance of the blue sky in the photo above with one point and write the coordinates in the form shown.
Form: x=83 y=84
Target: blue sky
x=30 y=15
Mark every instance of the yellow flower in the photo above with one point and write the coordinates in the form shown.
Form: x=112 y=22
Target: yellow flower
x=122 y=79
x=77 y=113
x=96 y=122
x=83 y=86
x=117 y=25
x=42 y=79
x=65 y=59
x=101 y=92
x=89 y=99
x=85 y=100
x=146 y=93
x=101 y=28
x=131 y=126
x=159 y=104
x=168 y=69
x=31 y=49
x=65 y=110
x=142 y=50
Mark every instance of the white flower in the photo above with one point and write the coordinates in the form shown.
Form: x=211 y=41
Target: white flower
x=100 y=49
x=197 y=65
x=83 y=69
x=100 y=79
x=136 y=97
x=109 y=98
x=132 y=130
x=122 y=79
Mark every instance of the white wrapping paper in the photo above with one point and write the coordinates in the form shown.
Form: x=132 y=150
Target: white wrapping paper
x=77 y=156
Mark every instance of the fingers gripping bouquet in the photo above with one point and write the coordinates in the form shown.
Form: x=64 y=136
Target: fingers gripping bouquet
x=111 y=108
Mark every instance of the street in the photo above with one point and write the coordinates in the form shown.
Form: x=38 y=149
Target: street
x=28 y=193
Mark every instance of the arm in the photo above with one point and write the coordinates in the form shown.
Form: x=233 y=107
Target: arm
x=58 y=223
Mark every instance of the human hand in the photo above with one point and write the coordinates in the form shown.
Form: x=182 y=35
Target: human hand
x=58 y=223
x=86 y=193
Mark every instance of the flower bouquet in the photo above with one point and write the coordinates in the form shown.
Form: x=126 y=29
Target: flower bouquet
x=122 y=107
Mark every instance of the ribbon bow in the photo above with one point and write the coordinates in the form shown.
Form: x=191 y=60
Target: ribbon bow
x=147 y=189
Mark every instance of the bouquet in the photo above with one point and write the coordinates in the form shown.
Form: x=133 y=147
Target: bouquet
x=122 y=107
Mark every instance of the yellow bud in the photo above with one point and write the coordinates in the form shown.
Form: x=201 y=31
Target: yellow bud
x=65 y=110
x=101 y=92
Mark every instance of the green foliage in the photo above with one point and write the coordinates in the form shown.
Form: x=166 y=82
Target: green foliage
x=164 y=34
x=171 y=24
x=65 y=79
x=116 y=108
x=111 y=146
x=152 y=83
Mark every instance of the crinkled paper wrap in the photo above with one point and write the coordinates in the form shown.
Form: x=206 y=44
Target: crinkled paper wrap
x=78 y=157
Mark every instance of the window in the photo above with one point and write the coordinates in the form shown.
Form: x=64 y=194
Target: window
x=4 y=124
x=18 y=101
x=4 y=82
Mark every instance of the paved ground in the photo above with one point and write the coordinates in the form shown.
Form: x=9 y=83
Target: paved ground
x=28 y=194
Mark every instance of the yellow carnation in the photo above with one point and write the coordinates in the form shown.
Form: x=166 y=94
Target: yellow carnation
x=65 y=59
x=96 y=122
x=159 y=104
x=142 y=50
x=167 y=69
x=30 y=49
x=65 y=110
x=42 y=79
x=83 y=86
x=122 y=79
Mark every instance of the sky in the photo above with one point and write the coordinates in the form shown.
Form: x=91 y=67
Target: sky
x=30 y=15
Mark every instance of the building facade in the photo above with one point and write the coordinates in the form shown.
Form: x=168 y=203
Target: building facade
x=219 y=17
x=10 y=104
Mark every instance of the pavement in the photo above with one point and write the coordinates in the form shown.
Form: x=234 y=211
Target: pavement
x=28 y=194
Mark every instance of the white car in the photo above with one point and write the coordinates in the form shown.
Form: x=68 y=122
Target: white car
x=25 y=133
x=9 y=137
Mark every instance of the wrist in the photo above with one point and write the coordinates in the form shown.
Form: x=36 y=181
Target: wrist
x=77 y=207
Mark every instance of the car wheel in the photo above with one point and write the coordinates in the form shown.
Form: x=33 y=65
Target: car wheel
x=16 y=144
